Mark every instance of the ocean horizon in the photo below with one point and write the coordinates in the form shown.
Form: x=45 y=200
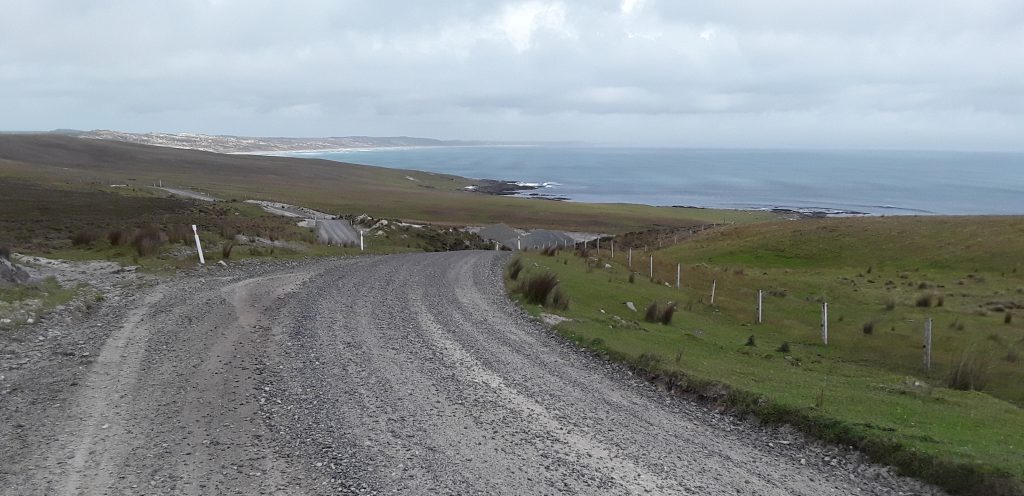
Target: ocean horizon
x=835 y=182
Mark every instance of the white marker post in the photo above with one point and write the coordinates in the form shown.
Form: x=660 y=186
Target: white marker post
x=824 y=323
x=599 y=247
x=928 y=344
x=361 y=246
x=760 y=303
x=630 y=259
x=613 y=249
x=679 y=273
x=519 y=244
x=652 y=266
x=714 y=284
x=199 y=246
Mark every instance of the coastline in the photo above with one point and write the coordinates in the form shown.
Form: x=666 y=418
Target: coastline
x=555 y=176
x=286 y=153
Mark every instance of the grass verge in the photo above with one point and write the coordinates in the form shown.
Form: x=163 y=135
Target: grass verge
x=866 y=390
x=22 y=303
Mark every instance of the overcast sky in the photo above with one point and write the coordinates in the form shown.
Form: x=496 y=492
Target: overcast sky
x=744 y=73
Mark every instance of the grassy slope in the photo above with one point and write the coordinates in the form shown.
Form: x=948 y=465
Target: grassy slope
x=326 y=185
x=868 y=389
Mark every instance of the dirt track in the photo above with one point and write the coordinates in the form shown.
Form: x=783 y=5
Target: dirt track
x=411 y=374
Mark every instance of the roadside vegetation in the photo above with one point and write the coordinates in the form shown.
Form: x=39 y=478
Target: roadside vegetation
x=958 y=424
x=24 y=303
x=142 y=226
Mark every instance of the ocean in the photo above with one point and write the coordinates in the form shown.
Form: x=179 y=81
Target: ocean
x=834 y=182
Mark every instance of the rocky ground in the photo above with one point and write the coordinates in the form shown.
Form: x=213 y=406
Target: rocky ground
x=410 y=374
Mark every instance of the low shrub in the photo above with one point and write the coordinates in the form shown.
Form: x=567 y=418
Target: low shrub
x=750 y=341
x=549 y=251
x=632 y=277
x=649 y=361
x=118 y=237
x=925 y=301
x=890 y=304
x=868 y=327
x=85 y=237
x=147 y=241
x=1012 y=355
x=784 y=347
x=179 y=233
x=225 y=250
x=5 y=253
x=1008 y=318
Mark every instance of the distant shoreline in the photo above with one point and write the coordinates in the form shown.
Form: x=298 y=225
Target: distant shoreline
x=286 y=153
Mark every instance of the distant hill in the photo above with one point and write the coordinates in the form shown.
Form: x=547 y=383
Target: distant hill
x=245 y=144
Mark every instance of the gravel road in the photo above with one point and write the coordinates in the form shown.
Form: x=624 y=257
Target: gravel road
x=187 y=193
x=408 y=374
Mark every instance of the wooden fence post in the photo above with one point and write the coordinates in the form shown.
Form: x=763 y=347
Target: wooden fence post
x=928 y=344
x=760 y=303
x=824 y=322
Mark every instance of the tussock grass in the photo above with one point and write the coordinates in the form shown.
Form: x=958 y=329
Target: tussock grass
x=515 y=267
x=118 y=236
x=658 y=313
x=543 y=289
x=226 y=248
x=970 y=372
x=85 y=237
x=868 y=327
x=148 y=241
x=179 y=233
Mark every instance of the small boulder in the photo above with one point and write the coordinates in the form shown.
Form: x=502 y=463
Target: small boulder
x=12 y=273
x=631 y=306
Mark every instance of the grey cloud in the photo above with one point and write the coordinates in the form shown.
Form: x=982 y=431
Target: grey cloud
x=733 y=73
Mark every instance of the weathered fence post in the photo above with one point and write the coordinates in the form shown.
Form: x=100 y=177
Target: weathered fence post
x=824 y=322
x=760 y=305
x=199 y=246
x=928 y=344
x=714 y=283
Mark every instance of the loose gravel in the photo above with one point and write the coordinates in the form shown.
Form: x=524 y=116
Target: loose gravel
x=407 y=374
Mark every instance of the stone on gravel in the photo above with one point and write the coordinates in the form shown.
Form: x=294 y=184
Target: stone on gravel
x=11 y=273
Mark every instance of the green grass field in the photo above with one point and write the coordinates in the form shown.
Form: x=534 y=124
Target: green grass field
x=862 y=388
